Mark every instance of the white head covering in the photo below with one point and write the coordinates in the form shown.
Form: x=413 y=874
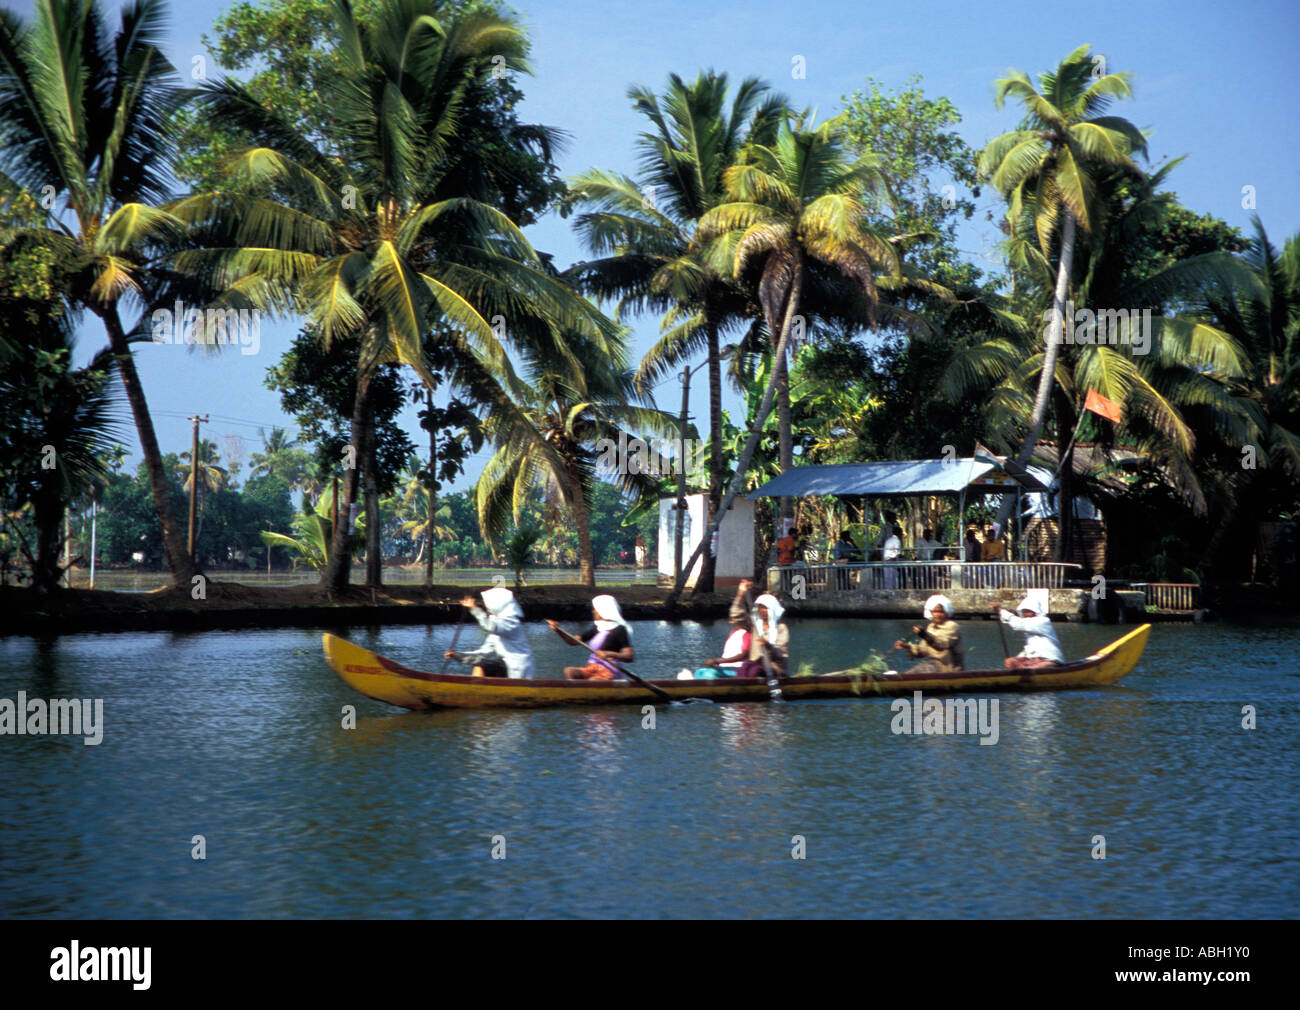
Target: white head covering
x=774 y=612
x=500 y=602
x=608 y=616
x=937 y=601
x=1035 y=600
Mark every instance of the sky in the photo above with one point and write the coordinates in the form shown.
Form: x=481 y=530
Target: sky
x=1216 y=82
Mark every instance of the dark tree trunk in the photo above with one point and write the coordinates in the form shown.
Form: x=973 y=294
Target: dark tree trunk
x=374 y=524
x=709 y=566
x=1065 y=422
x=586 y=555
x=183 y=567
x=340 y=562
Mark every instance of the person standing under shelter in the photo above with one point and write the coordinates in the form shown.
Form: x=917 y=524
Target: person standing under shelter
x=993 y=549
x=845 y=552
x=640 y=550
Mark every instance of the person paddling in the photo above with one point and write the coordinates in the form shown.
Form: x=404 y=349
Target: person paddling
x=1042 y=648
x=610 y=637
x=770 y=638
x=505 y=652
x=940 y=648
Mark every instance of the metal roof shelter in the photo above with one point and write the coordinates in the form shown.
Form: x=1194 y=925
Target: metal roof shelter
x=983 y=473
x=899 y=477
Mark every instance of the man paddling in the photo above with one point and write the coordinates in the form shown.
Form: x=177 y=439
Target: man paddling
x=1041 y=645
x=505 y=652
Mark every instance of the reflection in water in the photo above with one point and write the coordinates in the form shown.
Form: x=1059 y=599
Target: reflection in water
x=238 y=736
x=600 y=738
x=752 y=725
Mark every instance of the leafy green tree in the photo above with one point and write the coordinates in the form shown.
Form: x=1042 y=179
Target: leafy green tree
x=579 y=394
x=84 y=115
x=1046 y=169
x=791 y=204
x=388 y=230
x=643 y=230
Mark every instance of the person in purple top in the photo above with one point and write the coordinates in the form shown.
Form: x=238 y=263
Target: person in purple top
x=610 y=637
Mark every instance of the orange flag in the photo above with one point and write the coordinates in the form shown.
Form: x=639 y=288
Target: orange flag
x=1098 y=404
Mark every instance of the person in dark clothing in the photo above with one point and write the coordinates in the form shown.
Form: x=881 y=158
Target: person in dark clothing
x=610 y=637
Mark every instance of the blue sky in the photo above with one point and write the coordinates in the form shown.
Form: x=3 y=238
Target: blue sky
x=1216 y=82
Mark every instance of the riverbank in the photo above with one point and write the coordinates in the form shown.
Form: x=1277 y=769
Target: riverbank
x=234 y=605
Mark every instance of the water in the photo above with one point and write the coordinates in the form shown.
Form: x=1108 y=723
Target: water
x=237 y=737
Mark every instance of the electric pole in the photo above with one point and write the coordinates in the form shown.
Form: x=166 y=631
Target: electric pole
x=194 y=478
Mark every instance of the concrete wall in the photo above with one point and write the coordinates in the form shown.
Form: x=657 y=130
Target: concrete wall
x=735 y=538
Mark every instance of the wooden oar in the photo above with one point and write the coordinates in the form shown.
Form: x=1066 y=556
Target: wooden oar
x=454 y=639
x=1006 y=653
x=575 y=640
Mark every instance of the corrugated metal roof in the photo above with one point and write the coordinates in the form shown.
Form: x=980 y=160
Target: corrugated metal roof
x=886 y=477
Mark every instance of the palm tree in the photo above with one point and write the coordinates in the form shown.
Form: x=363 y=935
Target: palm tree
x=1045 y=170
x=792 y=205
x=385 y=236
x=1163 y=388
x=83 y=116
x=282 y=457
x=1263 y=315
x=644 y=233
x=576 y=398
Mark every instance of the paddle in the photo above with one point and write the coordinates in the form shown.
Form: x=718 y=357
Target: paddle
x=575 y=640
x=454 y=639
x=1006 y=653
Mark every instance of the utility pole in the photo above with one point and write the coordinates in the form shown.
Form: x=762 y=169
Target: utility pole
x=194 y=478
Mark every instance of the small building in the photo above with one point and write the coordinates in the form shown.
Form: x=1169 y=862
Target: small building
x=902 y=583
x=735 y=539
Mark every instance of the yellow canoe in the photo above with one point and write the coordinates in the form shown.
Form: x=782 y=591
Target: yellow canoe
x=385 y=680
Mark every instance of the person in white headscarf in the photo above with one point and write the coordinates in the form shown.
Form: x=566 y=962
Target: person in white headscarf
x=770 y=639
x=611 y=639
x=1041 y=645
x=505 y=651
x=940 y=647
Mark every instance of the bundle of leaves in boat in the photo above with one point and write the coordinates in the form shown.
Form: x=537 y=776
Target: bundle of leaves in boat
x=870 y=671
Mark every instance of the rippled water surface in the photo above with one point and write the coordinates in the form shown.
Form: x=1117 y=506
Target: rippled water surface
x=237 y=736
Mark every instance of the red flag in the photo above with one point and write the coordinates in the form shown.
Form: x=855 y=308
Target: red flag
x=1098 y=404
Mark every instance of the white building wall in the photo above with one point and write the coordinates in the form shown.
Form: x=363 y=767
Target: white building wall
x=735 y=538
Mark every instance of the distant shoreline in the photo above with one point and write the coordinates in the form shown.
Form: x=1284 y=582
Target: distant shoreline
x=233 y=606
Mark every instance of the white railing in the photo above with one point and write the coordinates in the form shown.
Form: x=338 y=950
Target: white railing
x=810 y=581
x=1169 y=595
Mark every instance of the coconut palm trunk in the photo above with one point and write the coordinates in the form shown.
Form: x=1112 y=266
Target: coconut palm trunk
x=786 y=435
x=578 y=505
x=340 y=561
x=182 y=565
x=1047 y=379
x=756 y=432
x=374 y=541
x=709 y=567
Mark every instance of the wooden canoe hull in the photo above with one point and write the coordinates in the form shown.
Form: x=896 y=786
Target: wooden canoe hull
x=385 y=680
